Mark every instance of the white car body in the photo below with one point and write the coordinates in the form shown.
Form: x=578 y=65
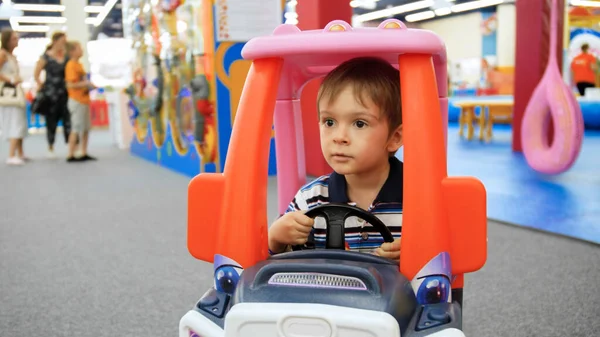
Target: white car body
x=297 y=320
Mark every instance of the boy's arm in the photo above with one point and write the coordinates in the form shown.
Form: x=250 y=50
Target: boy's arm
x=390 y=250
x=297 y=204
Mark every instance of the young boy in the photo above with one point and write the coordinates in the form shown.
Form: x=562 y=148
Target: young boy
x=79 y=99
x=360 y=122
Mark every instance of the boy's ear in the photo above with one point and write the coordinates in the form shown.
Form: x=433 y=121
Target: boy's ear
x=395 y=140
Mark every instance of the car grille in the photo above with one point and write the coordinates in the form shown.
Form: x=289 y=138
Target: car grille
x=317 y=280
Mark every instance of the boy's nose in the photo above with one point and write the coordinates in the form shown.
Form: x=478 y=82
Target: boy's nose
x=341 y=136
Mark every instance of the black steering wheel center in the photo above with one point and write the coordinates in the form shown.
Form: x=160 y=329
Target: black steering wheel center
x=335 y=216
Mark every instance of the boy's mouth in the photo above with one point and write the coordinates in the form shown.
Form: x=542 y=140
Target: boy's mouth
x=340 y=155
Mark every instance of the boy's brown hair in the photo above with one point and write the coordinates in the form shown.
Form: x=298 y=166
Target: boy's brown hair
x=585 y=47
x=71 y=45
x=370 y=78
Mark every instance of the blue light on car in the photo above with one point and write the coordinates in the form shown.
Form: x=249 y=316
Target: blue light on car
x=434 y=289
x=226 y=279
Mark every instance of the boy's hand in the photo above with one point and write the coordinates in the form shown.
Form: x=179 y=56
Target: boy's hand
x=292 y=228
x=390 y=250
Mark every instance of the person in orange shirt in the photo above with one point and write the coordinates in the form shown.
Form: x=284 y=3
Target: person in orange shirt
x=584 y=68
x=79 y=88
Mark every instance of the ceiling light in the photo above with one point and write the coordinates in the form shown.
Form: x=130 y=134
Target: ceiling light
x=384 y=13
x=365 y=4
x=105 y=10
x=585 y=3
x=467 y=6
x=420 y=16
x=39 y=8
x=39 y=19
x=33 y=29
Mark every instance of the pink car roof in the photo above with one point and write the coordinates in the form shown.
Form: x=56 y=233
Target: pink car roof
x=313 y=53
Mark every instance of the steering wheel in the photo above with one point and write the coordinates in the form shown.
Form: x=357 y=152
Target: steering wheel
x=335 y=216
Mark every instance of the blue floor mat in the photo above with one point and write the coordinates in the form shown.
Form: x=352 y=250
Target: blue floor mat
x=566 y=204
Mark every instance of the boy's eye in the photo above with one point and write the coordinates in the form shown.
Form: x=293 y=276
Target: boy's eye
x=328 y=122
x=360 y=124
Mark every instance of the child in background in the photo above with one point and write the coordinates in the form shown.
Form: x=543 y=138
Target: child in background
x=79 y=88
x=584 y=68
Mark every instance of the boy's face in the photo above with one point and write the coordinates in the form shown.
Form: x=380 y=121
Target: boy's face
x=355 y=139
x=77 y=51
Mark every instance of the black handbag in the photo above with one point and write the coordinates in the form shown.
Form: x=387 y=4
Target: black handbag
x=40 y=105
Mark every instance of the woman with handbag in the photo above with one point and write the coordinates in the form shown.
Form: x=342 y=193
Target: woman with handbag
x=54 y=89
x=13 y=120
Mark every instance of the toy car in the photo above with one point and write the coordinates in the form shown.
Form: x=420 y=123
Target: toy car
x=334 y=292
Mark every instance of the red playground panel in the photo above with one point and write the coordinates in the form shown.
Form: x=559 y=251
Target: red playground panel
x=99 y=113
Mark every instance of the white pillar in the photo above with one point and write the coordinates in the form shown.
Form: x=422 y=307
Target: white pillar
x=126 y=19
x=77 y=29
x=506 y=35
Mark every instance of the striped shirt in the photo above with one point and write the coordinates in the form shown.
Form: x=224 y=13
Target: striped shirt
x=360 y=235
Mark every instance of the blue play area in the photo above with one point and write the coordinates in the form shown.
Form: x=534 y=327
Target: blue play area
x=566 y=204
x=166 y=155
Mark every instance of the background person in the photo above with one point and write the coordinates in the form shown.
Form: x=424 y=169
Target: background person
x=78 y=87
x=53 y=62
x=13 y=119
x=584 y=67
